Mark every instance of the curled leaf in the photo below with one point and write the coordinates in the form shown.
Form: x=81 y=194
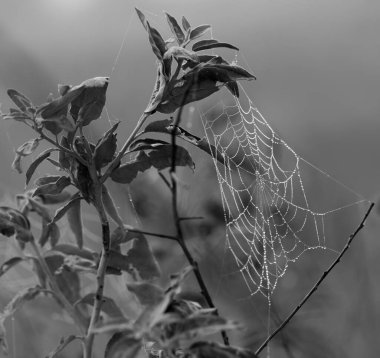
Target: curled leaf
x=53 y=188
x=209 y=44
x=21 y=101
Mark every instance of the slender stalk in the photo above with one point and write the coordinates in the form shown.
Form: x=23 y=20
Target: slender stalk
x=100 y=275
x=317 y=284
x=56 y=290
x=178 y=219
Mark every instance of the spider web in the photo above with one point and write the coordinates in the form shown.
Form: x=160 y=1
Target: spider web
x=270 y=222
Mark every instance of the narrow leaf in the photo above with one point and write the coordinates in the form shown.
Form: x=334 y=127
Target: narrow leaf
x=142 y=18
x=175 y=28
x=47 y=179
x=32 y=168
x=216 y=350
x=209 y=44
x=185 y=24
x=7 y=265
x=199 y=31
x=72 y=250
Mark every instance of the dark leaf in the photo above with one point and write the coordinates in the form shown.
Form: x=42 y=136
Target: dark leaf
x=52 y=199
x=142 y=18
x=88 y=106
x=198 y=31
x=209 y=44
x=74 y=218
x=185 y=24
x=47 y=179
x=146 y=293
x=61 y=122
x=175 y=28
x=63 y=210
x=63 y=89
x=159 y=158
x=45 y=233
x=53 y=188
x=7 y=265
x=84 y=181
x=123 y=345
x=21 y=101
x=147 y=144
x=140 y=256
x=54 y=234
x=108 y=305
x=62 y=344
x=165 y=126
x=157 y=42
x=216 y=350
x=32 y=168
x=183 y=308
x=105 y=149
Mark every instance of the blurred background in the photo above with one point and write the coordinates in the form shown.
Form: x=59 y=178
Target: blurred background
x=318 y=84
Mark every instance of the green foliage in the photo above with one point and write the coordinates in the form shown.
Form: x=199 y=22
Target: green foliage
x=167 y=326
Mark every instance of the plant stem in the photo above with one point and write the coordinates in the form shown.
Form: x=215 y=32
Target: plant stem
x=57 y=291
x=178 y=219
x=317 y=284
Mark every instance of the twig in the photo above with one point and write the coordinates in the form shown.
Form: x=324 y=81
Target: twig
x=316 y=285
x=177 y=218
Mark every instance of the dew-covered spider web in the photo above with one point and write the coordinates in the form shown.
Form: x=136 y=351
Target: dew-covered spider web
x=266 y=194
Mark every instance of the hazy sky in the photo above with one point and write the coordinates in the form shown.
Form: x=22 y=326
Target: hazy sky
x=316 y=62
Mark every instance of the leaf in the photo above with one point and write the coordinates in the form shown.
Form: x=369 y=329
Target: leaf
x=54 y=234
x=209 y=44
x=47 y=179
x=18 y=301
x=60 y=121
x=32 y=168
x=74 y=218
x=7 y=265
x=63 y=158
x=199 y=31
x=64 y=341
x=108 y=305
x=20 y=100
x=105 y=149
x=16 y=115
x=121 y=235
x=53 y=188
x=215 y=350
x=165 y=126
x=175 y=28
x=123 y=345
x=140 y=256
x=67 y=280
x=185 y=24
x=142 y=18
x=63 y=210
x=146 y=293
x=28 y=147
x=156 y=41
x=16 y=164
x=88 y=106
x=52 y=199
x=159 y=158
